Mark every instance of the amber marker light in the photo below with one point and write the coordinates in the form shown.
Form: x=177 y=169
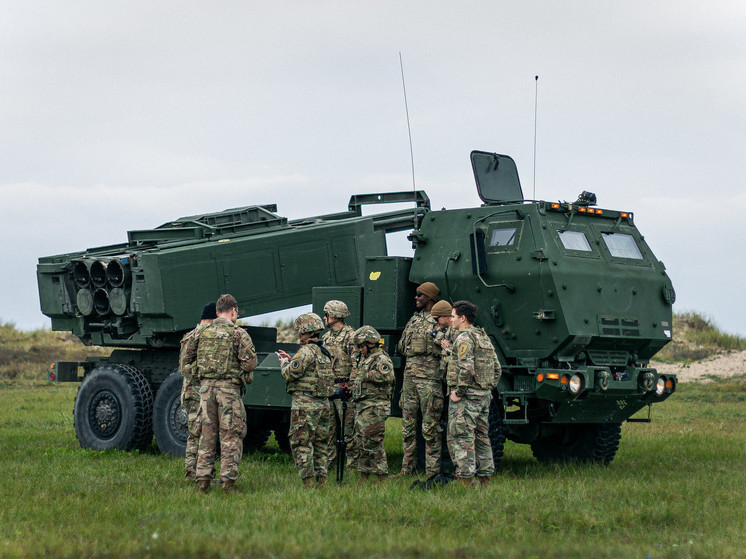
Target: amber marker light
x=555 y=206
x=565 y=380
x=624 y=215
x=540 y=377
x=552 y=376
x=582 y=210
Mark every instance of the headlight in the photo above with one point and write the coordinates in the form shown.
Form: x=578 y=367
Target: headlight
x=576 y=384
x=660 y=386
x=647 y=381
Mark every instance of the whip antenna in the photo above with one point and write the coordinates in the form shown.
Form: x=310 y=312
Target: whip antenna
x=409 y=131
x=536 y=106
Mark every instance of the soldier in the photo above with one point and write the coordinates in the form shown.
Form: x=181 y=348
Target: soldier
x=470 y=384
x=190 y=392
x=309 y=379
x=422 y=386
x=225 y=358
x=373 y=385
x=339 y=340
x=445 y=335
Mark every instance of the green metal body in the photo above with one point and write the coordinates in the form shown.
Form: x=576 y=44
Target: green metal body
x=565 y=291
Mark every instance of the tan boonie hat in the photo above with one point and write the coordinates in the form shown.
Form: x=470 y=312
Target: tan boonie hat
x=441 y=308
x=429 y=289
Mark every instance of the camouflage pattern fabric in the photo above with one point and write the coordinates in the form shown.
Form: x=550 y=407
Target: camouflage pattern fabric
x=343 y=349
x=310 y=379
x=425 y=395
x=222 y=416
x=309 y=435
x=373 y=386
x=450 y=334
x=468 y=437
x=190 y=402
x=476 y=364
x=221 y=351
x=225 y=358
x=422 y=390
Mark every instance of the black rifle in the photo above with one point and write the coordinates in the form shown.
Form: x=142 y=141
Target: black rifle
x=343 y=393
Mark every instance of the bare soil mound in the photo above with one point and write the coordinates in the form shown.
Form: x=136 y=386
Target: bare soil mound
x=727 y=364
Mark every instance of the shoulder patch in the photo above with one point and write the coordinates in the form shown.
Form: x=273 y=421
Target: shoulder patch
x=463 y=349
x=295 y=364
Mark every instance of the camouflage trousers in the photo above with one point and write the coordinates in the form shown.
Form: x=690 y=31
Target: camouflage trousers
x=309 y=435
x=335 y=411
x=468 y=435
x=222 y=416
x=425 y=395
x=190 y=403
x=370 y=429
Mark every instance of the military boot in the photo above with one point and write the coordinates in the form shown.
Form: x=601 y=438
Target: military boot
x=308 y=482
x=484 y=481
x=229 y=486
x=403 y=473
x=364 y=476
x=465 y=481
x=320 y=482
x=204 y=486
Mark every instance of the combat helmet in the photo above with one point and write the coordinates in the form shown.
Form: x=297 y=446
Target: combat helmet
x=366 y=335
x=336 y=309
x=308 y=322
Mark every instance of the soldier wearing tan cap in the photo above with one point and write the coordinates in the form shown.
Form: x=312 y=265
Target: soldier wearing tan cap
x=422 y=389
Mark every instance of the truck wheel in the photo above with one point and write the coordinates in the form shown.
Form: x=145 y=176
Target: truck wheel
x=113 y=409
x=578 y=442
x=169 y=417
x=496 y=430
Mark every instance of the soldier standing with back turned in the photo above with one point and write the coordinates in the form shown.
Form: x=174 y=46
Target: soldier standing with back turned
x=339 y=340
x=422 y=388
x=309 y=380
x=472 y=375
x=225 y=358
x=190 y=392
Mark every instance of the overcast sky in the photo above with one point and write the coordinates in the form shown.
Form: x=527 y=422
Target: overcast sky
x=124 y=115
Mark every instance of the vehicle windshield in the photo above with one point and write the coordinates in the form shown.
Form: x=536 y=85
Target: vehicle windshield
x=622 y=245
x=574 y=240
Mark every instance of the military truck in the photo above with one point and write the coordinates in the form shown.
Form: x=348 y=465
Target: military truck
x=571 y=295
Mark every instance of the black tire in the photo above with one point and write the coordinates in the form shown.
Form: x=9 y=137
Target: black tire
x=496 y=430
x=577 y=442
x=282 y=437
x=114 y=409
x=169 y=417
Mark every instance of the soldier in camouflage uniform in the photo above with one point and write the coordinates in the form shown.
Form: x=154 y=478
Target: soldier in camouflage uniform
x=373 y=384
x=190 y=392
x=338 y=339
x=309 y=379
x=225 y=357
x=422 y=387
x=472 y=375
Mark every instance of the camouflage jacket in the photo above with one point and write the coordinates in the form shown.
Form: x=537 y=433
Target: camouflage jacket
x=220 y=351
x=310 y=370
x=373 y=378
x=342 y=346
x=476 y=365
x=446 y=355
x=188 y=369
x=417 y=344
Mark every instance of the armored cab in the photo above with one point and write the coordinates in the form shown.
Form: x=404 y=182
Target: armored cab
x=570 y=294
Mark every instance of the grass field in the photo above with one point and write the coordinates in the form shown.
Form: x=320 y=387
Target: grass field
x=675 y=489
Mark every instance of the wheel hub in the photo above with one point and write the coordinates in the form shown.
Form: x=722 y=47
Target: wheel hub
x=105 y=414
x=178 y=420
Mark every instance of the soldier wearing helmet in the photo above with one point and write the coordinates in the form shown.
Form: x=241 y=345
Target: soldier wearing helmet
x=309 y=380
x=373 y=386
x=422 y=388
x=338 y=339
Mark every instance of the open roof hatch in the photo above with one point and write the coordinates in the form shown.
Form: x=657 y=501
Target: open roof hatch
x=497 y=178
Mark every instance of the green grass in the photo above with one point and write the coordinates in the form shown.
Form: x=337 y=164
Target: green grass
x=675 y=489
